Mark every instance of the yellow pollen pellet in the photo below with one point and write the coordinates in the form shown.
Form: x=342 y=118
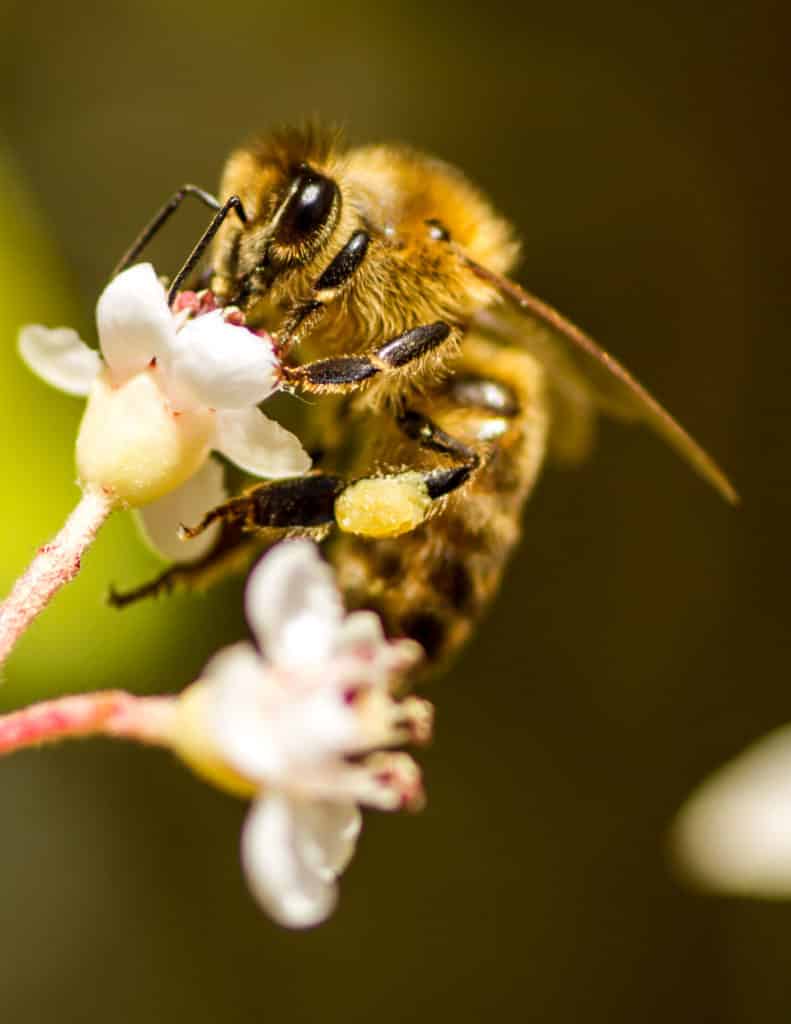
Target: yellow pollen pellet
x=383 y=506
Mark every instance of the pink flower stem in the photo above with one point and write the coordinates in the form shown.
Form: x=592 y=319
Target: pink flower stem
x=54 y=565
x=107 y=713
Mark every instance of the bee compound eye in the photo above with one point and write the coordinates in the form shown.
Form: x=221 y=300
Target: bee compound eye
x=307 y=209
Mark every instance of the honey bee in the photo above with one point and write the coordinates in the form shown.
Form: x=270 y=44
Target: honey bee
x=443 y=386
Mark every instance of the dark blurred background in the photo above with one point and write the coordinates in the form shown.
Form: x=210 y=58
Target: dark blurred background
x=642 y=635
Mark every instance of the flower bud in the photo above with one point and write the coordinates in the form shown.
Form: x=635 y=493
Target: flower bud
x=133 y=445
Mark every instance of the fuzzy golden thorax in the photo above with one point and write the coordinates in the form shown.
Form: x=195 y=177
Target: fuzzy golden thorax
x=404 y=200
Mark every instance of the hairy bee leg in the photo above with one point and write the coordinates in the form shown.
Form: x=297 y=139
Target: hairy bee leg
x=299 y=323
x=344 y=373
x=402 y=500
x=338 y=272
x=162 y=584
x=421 y=429
x=231 y=554
x=192 y=576
x=303 y=501
x=343 y=265
x=443 y=480
x=387 y=506
x=159 y=219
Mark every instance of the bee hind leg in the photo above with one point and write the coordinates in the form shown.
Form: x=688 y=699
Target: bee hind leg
x=376 y=506
x=296 y=502
x=232 y=553
x=383 y=505
x=249 y=522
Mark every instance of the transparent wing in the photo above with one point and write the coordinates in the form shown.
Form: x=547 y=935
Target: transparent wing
x=575 y=361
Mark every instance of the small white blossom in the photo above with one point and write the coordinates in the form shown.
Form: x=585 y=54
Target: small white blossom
x=170 y=387
x=734 y=832
x=302 y=723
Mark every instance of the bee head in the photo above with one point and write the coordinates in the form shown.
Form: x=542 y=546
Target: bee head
x=287 y=186
x=292 y=221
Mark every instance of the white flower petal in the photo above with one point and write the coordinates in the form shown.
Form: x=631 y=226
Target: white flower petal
x=259 y=445
x=239 y=665
x=243 y=712
x=272 y=734
x=371 y=658
x=331 y=838
x=221 y=365
x=159 y=522
x=292 y=605
x=360 y=630
x=60 y=358
x=735 y=832
x=291 y=854
x=134 y=321
x=312 y=727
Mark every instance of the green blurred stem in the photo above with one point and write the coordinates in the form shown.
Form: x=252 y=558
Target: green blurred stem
x=113 y=713
x=54 y=565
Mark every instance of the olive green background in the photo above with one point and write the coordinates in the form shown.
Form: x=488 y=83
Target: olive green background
x=642 y=635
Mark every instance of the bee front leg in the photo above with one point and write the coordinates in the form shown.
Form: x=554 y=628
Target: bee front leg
x=330 y=284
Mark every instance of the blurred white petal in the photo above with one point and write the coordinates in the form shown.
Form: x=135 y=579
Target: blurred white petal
x=134 y=321
x=243 y=712
x=373 y=659
x=159 y=522
x=311 y=727
x=332 y=835
x=293 y=606
x=241 y=668
x=60 y=358
x=271 y=736
x=259 y=445
x=220 y=365
x=360 y=630
x=291 y=856
x=734 y=833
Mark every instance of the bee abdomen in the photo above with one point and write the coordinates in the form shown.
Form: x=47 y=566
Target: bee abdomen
x=434 y=583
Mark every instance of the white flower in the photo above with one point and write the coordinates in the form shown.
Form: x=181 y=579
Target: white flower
x=734 y=832
x=170 y=388
x=302 y=724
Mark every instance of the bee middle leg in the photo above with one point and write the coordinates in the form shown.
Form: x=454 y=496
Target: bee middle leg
x=231 y=554
x=345 y=373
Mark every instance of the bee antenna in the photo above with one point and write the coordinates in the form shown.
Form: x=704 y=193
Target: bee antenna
x=233 y=203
